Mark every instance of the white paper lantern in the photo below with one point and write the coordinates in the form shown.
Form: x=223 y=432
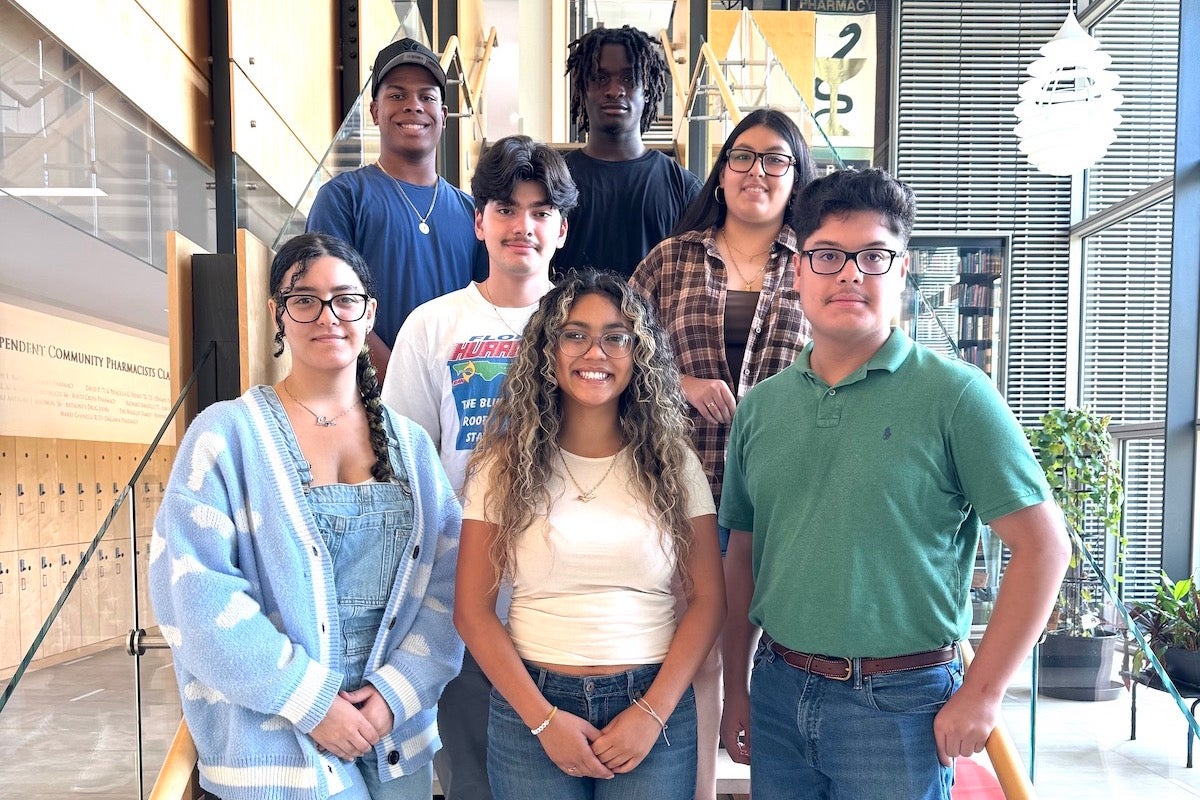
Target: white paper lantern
x=1068 y=107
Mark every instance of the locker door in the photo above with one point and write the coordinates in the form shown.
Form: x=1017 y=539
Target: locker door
x=66 y=492
x=83 y=491
x=33 y=589
x=70 y=616
x=102 y=494
x=89 y=600
x=50 y=494
x=8 y=494
x=10 y=612
x=25 y=467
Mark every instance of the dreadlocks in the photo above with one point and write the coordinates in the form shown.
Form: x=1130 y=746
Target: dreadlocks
x=645 y=54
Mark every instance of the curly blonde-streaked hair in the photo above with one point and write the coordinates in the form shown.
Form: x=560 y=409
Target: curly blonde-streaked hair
x=518 y=451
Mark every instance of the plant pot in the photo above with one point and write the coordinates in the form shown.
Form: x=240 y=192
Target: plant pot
x=1182 y=665
x=1078 y=668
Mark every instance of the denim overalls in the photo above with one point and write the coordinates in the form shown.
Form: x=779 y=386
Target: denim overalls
x=366 y=528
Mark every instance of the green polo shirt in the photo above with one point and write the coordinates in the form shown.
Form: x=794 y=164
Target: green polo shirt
x=865 y=499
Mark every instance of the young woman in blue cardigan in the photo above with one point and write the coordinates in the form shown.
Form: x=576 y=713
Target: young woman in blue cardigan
x=302 y=565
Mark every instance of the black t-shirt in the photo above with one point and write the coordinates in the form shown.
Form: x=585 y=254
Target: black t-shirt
x=625 y=208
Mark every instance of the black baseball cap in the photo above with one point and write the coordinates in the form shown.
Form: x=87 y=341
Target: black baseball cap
x=406 y=51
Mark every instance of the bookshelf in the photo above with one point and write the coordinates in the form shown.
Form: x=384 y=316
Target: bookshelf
x=954 y=300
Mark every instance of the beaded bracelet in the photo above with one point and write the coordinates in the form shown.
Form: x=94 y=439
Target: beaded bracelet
x=645 y=706
x=545 y=723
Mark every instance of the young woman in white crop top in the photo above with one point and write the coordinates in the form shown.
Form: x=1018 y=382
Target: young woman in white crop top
x=585 y=493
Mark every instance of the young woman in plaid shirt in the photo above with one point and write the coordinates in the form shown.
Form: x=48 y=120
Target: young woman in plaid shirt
x=722 y=287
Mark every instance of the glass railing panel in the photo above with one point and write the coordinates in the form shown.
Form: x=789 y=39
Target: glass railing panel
x=84 y=607
x=70 y=725
x=72 y=146
x=356 y=142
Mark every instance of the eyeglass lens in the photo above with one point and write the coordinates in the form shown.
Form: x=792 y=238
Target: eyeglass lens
x=774 y=164
x=829 y=261
x=308 y=308
x=576 y=343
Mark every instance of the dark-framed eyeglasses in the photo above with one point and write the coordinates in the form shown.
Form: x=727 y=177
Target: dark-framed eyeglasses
x=615 y=344
x=776 y=165
x=308 y=308
x=830 y=260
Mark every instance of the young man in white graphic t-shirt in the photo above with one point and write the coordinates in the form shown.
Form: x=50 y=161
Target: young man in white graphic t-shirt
x=449 y=362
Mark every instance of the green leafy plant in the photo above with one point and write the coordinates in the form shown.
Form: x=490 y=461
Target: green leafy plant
x=1171 y=620
x=1076 y=453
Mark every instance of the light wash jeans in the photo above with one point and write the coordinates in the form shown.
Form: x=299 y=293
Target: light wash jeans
x=519 y=768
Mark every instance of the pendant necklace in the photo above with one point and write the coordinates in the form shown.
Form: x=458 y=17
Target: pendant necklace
x=737 y=270
x=322 y=420
x=590 y=494
x=423 y=226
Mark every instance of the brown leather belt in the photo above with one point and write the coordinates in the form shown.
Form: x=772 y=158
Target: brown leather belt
x=842 y=669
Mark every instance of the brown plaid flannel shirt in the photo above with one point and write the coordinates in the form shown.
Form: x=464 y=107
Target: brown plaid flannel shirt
x=685 y=281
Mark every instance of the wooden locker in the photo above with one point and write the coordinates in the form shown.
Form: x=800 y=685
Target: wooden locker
x=8 y=494
x=26 y=468
x=66 y=492
x=70 y=616
x=35 y=591
x=108 y=590
x=84 y=491
x=89 y=598
x=147 y=492
x=102 y=493
x=145 y=610
x=10 y=613
x=50 y=496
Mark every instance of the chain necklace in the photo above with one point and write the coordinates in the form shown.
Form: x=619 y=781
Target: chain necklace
x=590 y=494
x=423 y=227
x=737 y=270
x=322 y=420
x=487 y=295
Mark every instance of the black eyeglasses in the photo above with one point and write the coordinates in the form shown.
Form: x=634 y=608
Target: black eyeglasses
x=614 y=344
x=308 y=308
x=830 y=261
x=774 y=164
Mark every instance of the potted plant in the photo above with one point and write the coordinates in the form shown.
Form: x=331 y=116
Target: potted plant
x=1171 y=625
x=1075 y=451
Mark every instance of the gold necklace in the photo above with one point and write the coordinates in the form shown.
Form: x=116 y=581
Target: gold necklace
x=423 y=227
x=487 y=295
x=322 y=420
x=590 y=494
x=737 y=270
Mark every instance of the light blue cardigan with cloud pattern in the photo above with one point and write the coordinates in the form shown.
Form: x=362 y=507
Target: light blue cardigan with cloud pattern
x=243 y=589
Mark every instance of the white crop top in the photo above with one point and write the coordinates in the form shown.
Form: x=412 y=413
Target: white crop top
x=592 y=581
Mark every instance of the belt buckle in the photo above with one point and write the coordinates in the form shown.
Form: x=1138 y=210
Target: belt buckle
x=849 y=670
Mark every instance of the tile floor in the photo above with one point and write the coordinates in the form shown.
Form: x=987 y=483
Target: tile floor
x=70 y=729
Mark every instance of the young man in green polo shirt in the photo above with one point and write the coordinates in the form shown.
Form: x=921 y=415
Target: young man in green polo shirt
x=856 y=484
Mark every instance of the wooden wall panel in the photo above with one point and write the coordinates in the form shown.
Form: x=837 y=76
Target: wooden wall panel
x=290 y=57
x=180 y=324
x=377 y=26
x=256 y=325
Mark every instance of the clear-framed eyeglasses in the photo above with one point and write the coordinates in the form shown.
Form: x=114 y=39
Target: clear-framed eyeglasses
x=830 y=260
x=776 y=165
x=615 y=344
x=348 y=307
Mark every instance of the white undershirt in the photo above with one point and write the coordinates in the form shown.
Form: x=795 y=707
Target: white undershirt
x=592 y=581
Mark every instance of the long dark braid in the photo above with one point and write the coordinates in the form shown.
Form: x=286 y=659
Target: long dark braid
x=368 y=389
x=299 y=252
x=645 y=54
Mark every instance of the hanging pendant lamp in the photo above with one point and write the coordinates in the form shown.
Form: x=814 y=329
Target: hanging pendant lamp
x=1067 y=112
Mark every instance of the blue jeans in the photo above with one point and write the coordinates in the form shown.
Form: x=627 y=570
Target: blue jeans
x=519 y=768
x=868 y=738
